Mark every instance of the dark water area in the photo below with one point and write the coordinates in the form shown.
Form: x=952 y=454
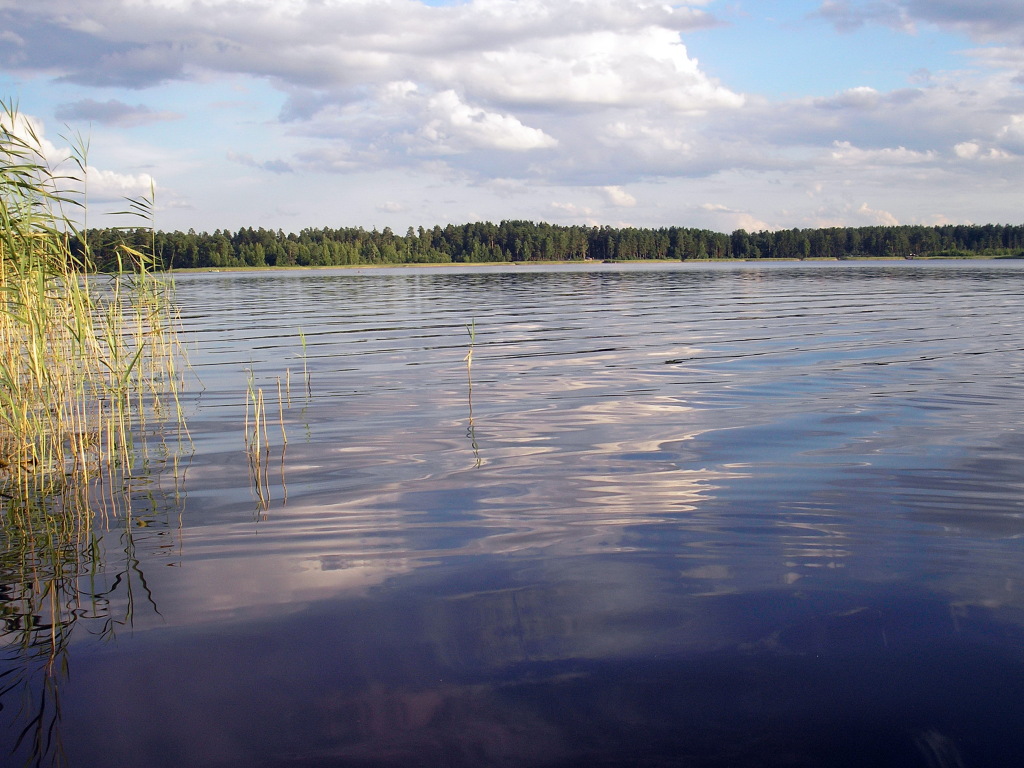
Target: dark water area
x=686 y=515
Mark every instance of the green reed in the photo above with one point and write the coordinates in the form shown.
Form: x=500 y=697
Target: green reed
x=82 y=364
x=89 y=408
x=471 y=425
x=257 y=441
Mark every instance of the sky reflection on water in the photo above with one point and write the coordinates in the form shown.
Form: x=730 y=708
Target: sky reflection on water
x=703 y=515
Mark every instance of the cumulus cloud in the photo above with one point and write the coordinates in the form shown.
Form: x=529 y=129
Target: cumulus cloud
x=319 y=45
x=602 y=68
x=31 y=133
x=972 y=150
x=967 y=150
x=109 y=186
x=860 y=97
x=850 y=214
x=845 y=153
x=871 y=216
x=102 y=185
x=1011 y=135
x=504 y=97
x=917 y=125
x=573 y=212
x=398 y=81
x=733 y=219
x=619 y=197
x=454 y=124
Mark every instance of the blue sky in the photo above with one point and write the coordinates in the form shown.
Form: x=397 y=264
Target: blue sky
x=761 y=115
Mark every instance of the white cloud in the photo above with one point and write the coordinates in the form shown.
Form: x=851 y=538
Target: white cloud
x=1005 y=143
x=622 y=68
x=871 y=216
x=972 y=150
x=102 y=185
x=967 y=150
x=455 y=124
x=573 y=213
x=506 y=100
x=1011 y=135
x=859 y=97
x=619 y=197
x=647 y=136
x=109 y=186
x=31 y=133
x=845 y=153
x=596 y=44
x=732 y=219
x=386 y=81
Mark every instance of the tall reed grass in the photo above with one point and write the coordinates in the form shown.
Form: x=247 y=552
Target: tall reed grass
x=83 y=363
x=90 y=370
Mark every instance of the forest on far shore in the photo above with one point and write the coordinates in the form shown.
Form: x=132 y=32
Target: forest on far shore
x=520 y=241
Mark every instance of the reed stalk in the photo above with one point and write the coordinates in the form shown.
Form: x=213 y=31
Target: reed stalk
x=257 y=441
x=305 y=364
x=471 y=426
x=89 y=378
x=83 y=363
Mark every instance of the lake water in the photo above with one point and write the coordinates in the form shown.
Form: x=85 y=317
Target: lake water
x=697 y=515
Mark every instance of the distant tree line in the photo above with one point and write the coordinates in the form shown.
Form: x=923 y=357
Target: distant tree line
x=523 y=241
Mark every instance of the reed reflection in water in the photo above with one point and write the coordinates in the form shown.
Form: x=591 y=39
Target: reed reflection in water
x=691 y=514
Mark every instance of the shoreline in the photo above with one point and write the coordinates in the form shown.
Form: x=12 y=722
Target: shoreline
x=591 y=262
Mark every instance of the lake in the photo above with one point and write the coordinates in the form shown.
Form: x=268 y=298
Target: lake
x=599 y=515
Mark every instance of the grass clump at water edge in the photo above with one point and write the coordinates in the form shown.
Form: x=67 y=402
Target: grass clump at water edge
x=82 y=361
x=89 y=383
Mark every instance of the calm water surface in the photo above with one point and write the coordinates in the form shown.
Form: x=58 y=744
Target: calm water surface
x=696 y=515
